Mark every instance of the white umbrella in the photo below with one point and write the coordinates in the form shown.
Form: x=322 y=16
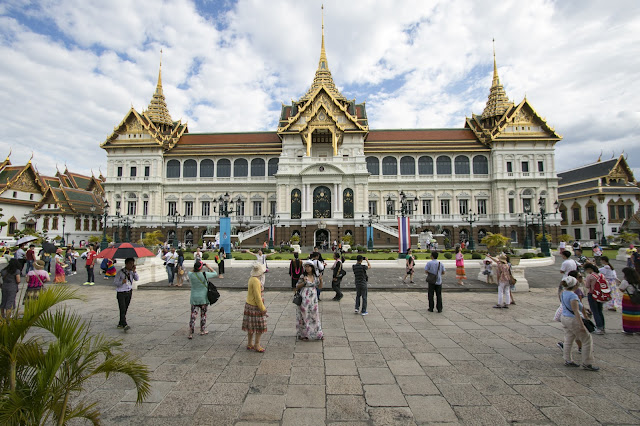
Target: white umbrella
x=26 y=239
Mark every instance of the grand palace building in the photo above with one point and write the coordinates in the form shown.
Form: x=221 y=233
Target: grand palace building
x=324 y=173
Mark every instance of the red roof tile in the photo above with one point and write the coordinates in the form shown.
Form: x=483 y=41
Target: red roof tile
x=421 y=135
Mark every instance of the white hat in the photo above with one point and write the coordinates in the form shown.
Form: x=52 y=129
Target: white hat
x=257 y=269
x=569 y=281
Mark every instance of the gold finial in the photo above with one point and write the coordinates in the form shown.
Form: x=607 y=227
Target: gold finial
x=600 y=157
x=9 y=155
x=496 y=80
x=29 y=162
x=323 y=64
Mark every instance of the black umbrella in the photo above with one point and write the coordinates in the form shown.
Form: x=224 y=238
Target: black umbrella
x=48 y=247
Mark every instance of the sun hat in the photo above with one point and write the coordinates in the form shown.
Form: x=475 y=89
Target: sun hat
x=502 y=258
x=258 y=269
x=569 y=282
x=59 y=250
x=38 y=264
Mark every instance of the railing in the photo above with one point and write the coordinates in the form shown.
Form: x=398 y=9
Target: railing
x=384 y=228
x=252 y=232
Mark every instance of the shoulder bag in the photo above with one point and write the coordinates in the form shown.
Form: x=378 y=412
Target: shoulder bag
x=212 y=292
x=431 y=277
x=512 y=280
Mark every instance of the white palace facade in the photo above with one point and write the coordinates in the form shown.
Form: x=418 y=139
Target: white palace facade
x=324 y=173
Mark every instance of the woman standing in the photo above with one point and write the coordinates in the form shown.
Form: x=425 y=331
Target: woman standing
x=295 y=270
x=221 y=256
x=254 y=321
x=10 y=280
x=460 y=274
x=612 y=279
x=409 y=267
x=60 y=275
x=199 y=300
x=35 y=280
x=180 y=268
x=630 y=311
x=337 y=276
x=504 y=282
x=197 y=255
x=574 y=328
x=308 y=325
x=591 y=272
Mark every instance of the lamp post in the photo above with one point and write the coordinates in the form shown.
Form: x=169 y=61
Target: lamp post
x=370 y=220
x=470 y=218
x=544 y=244
x=127 y=222
x=603 y=220
x=116 y=221
x=105 y=213
x=407 y=207
x=225 y=223
x=176 y=218
x=64 y=222
x=527 y=211
x=271 y=220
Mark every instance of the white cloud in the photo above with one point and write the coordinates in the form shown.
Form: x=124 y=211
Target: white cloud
x=73 y=67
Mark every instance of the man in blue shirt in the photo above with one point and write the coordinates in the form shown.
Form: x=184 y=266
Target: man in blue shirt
x=437 y=268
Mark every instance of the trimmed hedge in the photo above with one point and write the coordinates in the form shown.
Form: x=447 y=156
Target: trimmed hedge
x=475 y=255
x=527 y=256
x=448 y=255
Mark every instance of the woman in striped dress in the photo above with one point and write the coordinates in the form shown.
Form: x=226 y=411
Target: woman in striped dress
x=254 y=321
x=630 y=311
x=460 y=273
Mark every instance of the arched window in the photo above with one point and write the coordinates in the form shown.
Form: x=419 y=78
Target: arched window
x=389 y=166
x=296 y=204
x=425 y=165
x=206 y=168
x=188 y=238
x=373 y=165
x=462 y=165
x=273 y=167
x=240 y=168
x=190 y=169
x=173 y=169
x=407 y=166
x=443 y=165
x=480 y=165
x=224 y=168
x=481 y=234
x=347 y=199
x=257 y=167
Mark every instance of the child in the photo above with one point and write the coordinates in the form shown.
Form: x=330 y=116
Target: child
x=487 y=271
x=110 y=272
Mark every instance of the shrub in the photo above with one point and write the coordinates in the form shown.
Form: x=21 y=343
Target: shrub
x=277 y=257
x=527 y=256
x=448 y=255
x=205 y=256
x=540 y=255
x=391 y=258
x=188 y=256
x=475 y=255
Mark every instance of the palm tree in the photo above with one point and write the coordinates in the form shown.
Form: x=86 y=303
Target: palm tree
x=38 y=376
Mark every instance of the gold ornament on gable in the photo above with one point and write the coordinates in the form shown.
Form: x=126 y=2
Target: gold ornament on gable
x=25 y=183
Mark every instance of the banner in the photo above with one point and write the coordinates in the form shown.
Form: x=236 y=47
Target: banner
x=225 y=234
x=272 y=233
x=404 y=234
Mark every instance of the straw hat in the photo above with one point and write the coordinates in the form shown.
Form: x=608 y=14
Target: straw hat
x=59 y=251
x=258 y=269
x=38 y=264
x=502 y=258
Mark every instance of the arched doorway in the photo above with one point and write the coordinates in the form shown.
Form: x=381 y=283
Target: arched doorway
x=322 y=202
x=321 y=236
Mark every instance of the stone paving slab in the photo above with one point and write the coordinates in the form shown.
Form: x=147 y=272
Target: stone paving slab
x=471 y=364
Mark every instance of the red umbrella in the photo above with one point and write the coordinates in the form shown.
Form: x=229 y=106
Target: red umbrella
x=125 y=250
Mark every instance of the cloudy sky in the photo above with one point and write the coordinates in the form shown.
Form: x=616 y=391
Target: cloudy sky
x=71 y=69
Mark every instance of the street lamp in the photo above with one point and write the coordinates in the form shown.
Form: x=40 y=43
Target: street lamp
x=176 y=218
x=105 y=213
x=544 y=244
x=407 y=207
x=116 y=221
x=127 y=222
x=470 y=218
x=525 y=215
x=271 y=220
x=223 y=205
x=64 y=222
x=603 y=220
x=371 y=219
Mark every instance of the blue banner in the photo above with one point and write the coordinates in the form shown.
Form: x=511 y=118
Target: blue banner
x=225 y=234
x=369 y=234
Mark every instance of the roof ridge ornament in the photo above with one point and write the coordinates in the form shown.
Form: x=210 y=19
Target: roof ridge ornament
x=498 y=102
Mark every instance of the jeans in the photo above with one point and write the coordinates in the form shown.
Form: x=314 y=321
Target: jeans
x=29 y=266
x=90 y=277
x=596 y=308
x=361 y=291
x=437 y=289
x=170 y=272
x=335 y=286
x=124 y=298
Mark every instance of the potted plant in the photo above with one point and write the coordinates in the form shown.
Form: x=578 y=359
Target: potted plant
x=495 y=242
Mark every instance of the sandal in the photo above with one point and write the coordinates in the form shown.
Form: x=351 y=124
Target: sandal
x=249 y=347
x=204 y=333
x=190 y=336
x=259 y=349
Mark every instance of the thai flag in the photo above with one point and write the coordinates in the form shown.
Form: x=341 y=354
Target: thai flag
x=272 y=232
x=404 y=235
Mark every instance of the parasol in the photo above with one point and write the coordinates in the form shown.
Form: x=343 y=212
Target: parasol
x=125 y=250
x=49 y=247
x=26 y=239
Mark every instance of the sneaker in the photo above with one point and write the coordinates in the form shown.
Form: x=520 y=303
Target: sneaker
x=120 y=326
x=91 y=283
x=598 y=331
x=560 y=345
x=127 y=328
x=497 y=306
x=365 y=313
x=505 y=307
x=590 y=367
x=571 y=364
x=87 y=283
x=356 y=311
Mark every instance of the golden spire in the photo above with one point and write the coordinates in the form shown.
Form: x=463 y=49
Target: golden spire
x=8 y=155
x=31 y=158
x=323 y=76
x=498 y=101
x=157 y=110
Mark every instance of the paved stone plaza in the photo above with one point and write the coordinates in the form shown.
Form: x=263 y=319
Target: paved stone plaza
x=470 y=364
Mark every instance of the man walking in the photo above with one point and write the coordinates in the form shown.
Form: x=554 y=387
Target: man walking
x=171 y=260
x=361 y=278
x=91 y=260
x=124 y=284
x=31 y=257
x=437 y=268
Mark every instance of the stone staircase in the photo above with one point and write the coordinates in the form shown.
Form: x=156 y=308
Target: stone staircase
x=251 y=232
x=387 y=229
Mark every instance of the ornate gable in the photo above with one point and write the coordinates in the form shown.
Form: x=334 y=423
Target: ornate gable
x=24 y=179
x=621 y=171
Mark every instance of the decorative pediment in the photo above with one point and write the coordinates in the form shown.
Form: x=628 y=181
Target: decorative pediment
x=373 y=196
x=205 y=197
x=188 y=197
x=171 y=197
x=25 y=180
x=444 y=195
x=426 y=195
x=483 y=194
x=257 y=197
x=621 y=171
x=463 y=194
x=321 y=169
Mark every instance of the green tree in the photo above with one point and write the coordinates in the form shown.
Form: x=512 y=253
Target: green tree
x=627 y=237
x=38 y=376
x=153 y=238
x=565 y=237
x=96 y=239
x=494 y=242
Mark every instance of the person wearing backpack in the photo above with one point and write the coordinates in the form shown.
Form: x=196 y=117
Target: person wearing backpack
x=592 y=282
x=630 y=288
x=199 y=288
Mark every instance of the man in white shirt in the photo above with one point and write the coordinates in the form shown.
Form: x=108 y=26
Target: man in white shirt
x=124 y=284
x=568 y=264
x=171 y=260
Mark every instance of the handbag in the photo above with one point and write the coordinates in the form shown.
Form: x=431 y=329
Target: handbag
x=589 y=325
x=512 y=280
x=297 y=298
x=212 y=292
x=431 y=277
x=558 y=314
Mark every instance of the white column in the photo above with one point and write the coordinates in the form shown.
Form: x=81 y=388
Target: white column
x=339 y=194
x=334 y=197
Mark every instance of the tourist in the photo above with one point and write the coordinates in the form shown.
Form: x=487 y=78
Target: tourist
x=612 y=279
x=319 y=264
x=435 y=267
x=581 y=260
x=199 y=289
x=60 y=277
x=262 y=258
x=220 y=261
x=503 y=274
x=179 y=272
x=30 y=256
x=46 y=258
x=460 y=274
x=68 y=259
x=111 y=271
x=590 y=281
x=629 y=253
x=91 y=260
x=362 y=282
x=21 y=256
x=512 y=288
x=197 y=255
x=562 y=246
x=254 y=320
x=576 y=246
x=10 y=280
x=124 y=286
x=409 y=266
x=307 y=315
x=170 y=261
x=574 y=327
x=597 y=255
x=487 y=269
x=338 y=273
x=568 y=264
x=295 y=270
x=35 y=280
x=580 y=295
x=630 y=311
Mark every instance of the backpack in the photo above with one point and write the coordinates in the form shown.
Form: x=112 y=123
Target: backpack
x=635 y=296
x=105 y=264
x=212 y=292
x=601 y=289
